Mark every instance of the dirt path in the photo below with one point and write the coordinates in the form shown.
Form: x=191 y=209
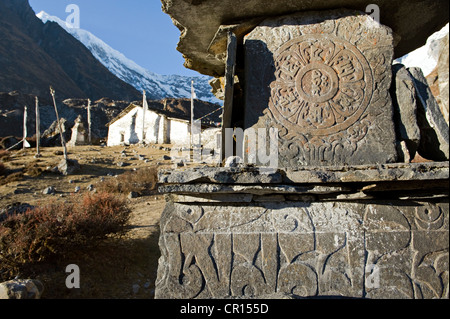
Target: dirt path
x=120 y=267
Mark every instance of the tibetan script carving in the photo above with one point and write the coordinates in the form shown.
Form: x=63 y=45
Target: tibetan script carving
x=383 y=250
x=325 y=86
x=322 y=85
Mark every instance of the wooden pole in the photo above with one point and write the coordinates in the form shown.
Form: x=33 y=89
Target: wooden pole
x=144 y=110
x=63 y=141
x=193 y=96
x=38 y=129
x=25 y=133
x=89 y=121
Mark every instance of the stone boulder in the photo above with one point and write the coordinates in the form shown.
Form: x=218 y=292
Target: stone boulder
x=51 y=136
x=68 y=167
x=404 y=99
x=434 y=143
x=21 y=289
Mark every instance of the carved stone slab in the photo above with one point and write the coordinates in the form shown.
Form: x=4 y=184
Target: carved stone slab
x=387 y=249
x=322 y=79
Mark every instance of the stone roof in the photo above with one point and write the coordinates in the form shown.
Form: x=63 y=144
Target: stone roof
x=203 y=23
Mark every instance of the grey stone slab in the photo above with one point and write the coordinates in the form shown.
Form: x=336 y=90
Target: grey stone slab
x=220 y=175
x=306 y=175
x=404 y=99
x=322 y=79
x=253 y=189
x=434 y=129
x=199 y=21
x=392 y=172
x=385 y=249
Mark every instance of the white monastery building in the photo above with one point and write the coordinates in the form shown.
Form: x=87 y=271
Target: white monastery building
x=133 y=125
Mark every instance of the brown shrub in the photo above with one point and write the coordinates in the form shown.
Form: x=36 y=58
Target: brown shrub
x=58 y=228
x=142 y=181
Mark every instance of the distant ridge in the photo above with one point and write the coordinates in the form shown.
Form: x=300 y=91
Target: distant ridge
x=157 y=86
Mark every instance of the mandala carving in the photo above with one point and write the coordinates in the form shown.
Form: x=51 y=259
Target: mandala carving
x=323 y=84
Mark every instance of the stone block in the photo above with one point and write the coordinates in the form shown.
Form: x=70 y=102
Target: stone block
x=434 y=143
x=404 y=99
x=322 y=79
x=385 y=249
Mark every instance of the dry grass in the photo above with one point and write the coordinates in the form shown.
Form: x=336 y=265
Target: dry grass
x=53 y=230
x=142 y=181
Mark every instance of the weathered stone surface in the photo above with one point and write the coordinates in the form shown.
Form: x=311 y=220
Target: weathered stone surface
x=21 y=289
x=200 y=20
x=405 y=109
x=388 y=249
x=253 y=189
x=219 y=175
x=329 y=75
x=374 y=173
x=306 y=175
x=434 y=143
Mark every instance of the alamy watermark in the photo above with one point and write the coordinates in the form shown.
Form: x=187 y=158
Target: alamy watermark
x=374 y=11
x=73 y=19
x=73 y=279
x=257 y=147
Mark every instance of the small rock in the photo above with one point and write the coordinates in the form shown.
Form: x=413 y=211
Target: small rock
x=122 y=164
x=21 y=289
x=233 y=161
x=132 y=195
x=77 y=189
x=68 y=167
x=90 y=187
x=49 y=191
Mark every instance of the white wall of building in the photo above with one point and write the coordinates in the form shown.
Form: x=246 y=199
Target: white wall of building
x=179 y=132
x=128 y=129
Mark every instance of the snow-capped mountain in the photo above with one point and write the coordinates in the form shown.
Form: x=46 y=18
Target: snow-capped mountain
x=156 y=86
x=425 y=57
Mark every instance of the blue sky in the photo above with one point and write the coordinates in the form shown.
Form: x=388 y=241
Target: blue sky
x=137 y=28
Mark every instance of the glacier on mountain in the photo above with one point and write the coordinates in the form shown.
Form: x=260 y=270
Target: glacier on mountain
x=157 y=86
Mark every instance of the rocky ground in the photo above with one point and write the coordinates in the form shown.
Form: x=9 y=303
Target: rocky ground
x=119 y=267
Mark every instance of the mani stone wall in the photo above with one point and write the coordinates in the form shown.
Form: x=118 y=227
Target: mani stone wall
x=322 y=79
x=359 y=232
x=338 y=217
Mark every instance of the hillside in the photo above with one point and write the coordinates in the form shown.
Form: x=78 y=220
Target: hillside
x=157 y=86
x=34 y=55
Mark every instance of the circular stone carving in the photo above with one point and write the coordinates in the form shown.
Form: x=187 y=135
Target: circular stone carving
x=323 y=85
